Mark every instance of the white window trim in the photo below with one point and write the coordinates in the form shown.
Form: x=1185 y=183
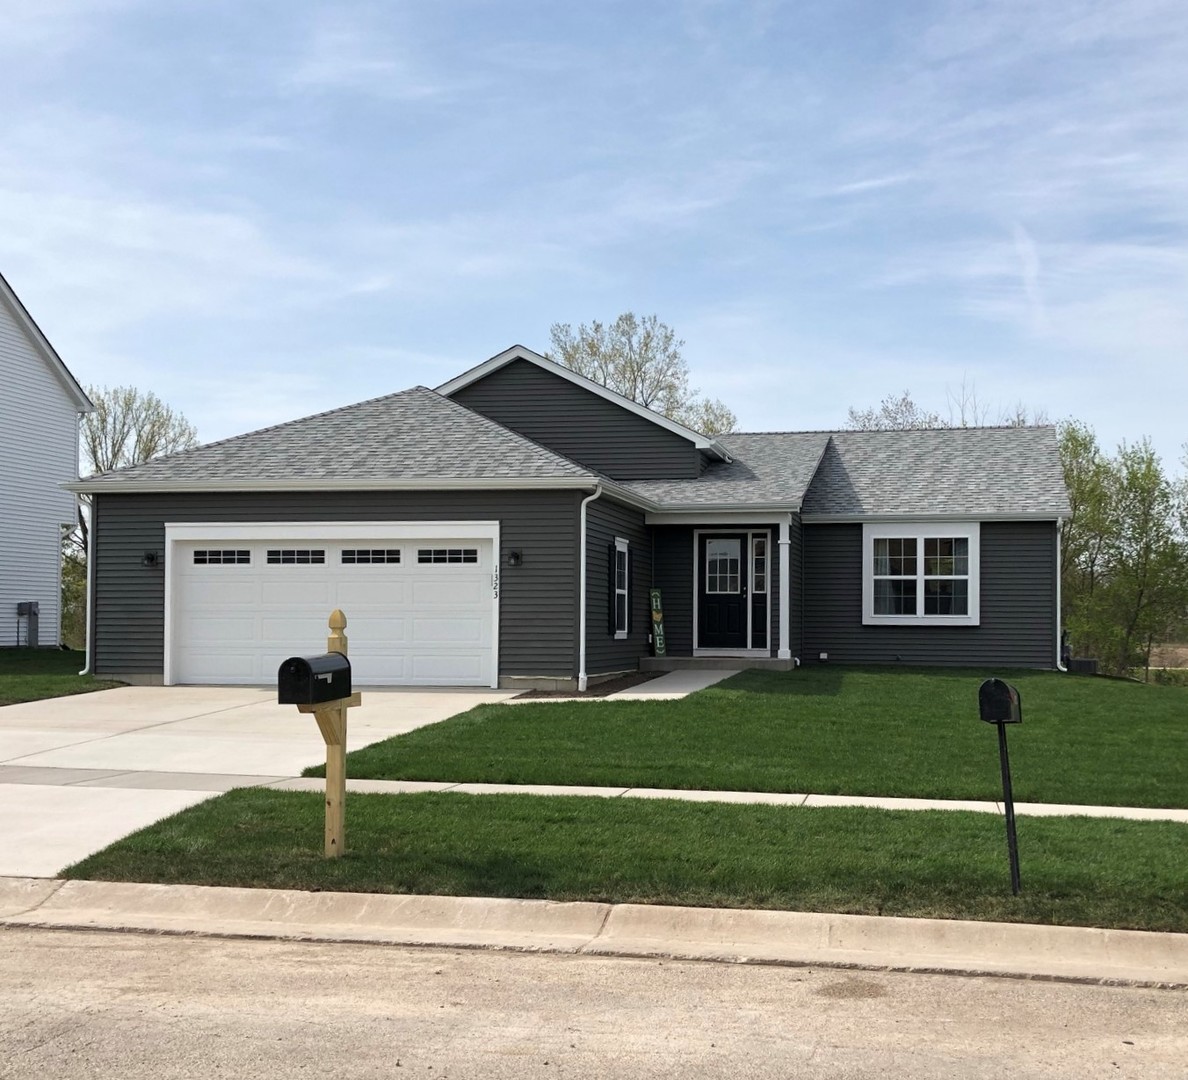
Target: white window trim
x=919 y=530
x=625 y=547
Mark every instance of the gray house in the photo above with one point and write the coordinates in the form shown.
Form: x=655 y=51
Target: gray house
x=508 y=528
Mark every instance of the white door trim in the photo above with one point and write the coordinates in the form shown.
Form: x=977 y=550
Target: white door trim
x=182 y=531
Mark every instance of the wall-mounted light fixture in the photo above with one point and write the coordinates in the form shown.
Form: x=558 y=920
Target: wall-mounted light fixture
x=150 y=558
x=514 y=558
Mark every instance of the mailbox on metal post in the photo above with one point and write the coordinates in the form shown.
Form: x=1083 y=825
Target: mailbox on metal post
x=999 y=704
x=310 y=680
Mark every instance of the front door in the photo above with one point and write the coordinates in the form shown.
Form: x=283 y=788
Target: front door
x=722 y=591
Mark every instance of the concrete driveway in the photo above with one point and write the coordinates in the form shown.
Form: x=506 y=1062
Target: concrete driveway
x=78 y=772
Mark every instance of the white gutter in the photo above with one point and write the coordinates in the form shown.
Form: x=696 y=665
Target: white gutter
x=582 y=678
x=89 y=631
x=1059 y=630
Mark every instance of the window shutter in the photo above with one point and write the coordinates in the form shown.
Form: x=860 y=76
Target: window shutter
x=610 y=584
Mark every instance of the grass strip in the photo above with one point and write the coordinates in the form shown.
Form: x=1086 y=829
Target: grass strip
x=825 y=730
x=34 y=674
x=936 y=864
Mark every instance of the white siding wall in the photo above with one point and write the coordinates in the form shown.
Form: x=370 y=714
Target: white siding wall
x=38 y=452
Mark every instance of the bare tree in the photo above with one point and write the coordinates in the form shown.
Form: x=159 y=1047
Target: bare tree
x=894 y=414
x=640 y=358
x=129 y=427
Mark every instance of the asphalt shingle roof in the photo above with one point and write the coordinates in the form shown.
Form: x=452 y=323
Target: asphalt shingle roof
x=940 y=471
x=769 y=469
x=414 y=435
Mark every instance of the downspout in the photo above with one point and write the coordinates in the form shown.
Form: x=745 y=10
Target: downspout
x=582 y=575
x=1059 y=573
x=89 y=627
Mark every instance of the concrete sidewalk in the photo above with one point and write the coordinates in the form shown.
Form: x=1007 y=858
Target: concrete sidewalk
x=1081 y=954
x=768 y=798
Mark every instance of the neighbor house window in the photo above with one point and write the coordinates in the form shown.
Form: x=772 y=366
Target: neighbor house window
x=920 y=573
x=621 y=571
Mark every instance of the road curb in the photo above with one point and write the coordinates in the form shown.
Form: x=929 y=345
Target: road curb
x=1019 y=950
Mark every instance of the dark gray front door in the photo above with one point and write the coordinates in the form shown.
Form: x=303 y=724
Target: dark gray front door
x=722 y=591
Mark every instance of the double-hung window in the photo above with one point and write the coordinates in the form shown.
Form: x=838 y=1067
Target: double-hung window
x=921 y=573
x=620 y=589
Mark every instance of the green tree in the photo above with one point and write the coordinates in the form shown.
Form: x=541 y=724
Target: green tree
x=640 y=358
x=1124 y=552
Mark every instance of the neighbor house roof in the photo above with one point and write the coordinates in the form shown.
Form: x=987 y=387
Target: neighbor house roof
x=769 y=469
x=44 y=349
x=416 y=438
x=948 y=471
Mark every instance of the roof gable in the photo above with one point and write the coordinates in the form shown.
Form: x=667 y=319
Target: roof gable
x=415 y=438
x=40 y=343
x=519 y=352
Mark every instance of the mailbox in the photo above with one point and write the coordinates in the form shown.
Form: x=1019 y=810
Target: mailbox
x=999 y=703
x=310 y=680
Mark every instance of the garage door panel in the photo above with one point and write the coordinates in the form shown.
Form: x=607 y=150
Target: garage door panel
x=409 y=623
x=448 y=629
x=374 y=591
x=276 y=592
x=448 y=592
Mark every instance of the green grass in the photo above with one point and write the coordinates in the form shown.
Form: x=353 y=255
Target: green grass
x=33 y=674
x=827 y=730
x=938 y=864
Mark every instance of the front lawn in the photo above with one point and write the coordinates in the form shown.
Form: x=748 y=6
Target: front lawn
x=825 y=730
x=33 y=674
x=934 y=864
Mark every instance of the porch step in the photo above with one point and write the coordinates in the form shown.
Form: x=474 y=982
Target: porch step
x=712 y=663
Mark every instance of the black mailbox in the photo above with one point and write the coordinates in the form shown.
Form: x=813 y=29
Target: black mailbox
x=310 y=680
x=999 y=703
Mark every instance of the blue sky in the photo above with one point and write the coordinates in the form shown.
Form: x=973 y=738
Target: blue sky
x=261 y=210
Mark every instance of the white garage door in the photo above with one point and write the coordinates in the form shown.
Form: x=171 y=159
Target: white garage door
x=419 y=612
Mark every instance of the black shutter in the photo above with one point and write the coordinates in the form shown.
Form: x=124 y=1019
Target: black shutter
x=630 y=587
x=610 y=599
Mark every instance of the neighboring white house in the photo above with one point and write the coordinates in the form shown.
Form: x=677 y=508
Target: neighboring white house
x=40 y=404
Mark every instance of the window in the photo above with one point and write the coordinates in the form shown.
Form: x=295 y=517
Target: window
x=723 y=563
x=220 y=556
x=296 y=556
x=370 y=555
x=921 y=573
x=621 y=589
x=447 y=555
x=759 y=563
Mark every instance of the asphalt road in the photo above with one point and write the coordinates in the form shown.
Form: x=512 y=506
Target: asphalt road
x=127 y=1006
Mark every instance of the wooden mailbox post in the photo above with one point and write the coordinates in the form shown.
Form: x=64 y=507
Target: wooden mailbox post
x=332 y=722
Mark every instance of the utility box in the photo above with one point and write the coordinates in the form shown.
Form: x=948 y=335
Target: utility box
x=311 y=680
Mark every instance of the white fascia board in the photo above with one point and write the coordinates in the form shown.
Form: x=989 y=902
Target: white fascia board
x=41 y=344
x=330 y=530
x=862 y=519
x=519 y=352
x=713 y=516
x=454 y=484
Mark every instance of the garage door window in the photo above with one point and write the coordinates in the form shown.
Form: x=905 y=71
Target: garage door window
x=219 y=556
x=370 y=555
x=447 y=555
x=296 y=556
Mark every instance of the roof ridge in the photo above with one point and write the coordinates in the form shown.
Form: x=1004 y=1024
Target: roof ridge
x=893 y=431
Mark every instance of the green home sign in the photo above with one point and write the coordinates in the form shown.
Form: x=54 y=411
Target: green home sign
x=657 y=623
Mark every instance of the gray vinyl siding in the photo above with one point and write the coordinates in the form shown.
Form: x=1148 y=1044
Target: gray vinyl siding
x=606 y=520
x=538 y=600
x=796 y=583
x=580 y=425
x=673 y=574
x=1018 y=603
